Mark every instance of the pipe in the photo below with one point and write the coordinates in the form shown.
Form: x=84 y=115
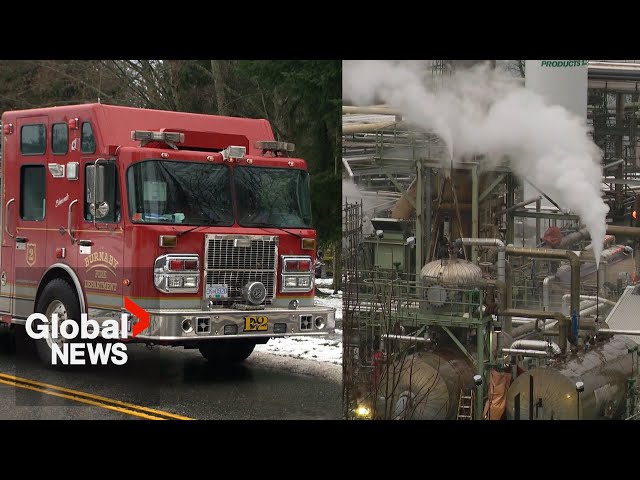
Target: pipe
x=518 y=205
x=406 y=338
x=525 y=353
x=591 y=309
x=376 y=110
x=546 y=286
x=365 y=127
x=487 y=242
x=523 y=330
x=543 y=345
x=566 y=297
x=494 y=242
x=574 y=262
x=613 y=164
x=573 y=238
x=616 y=331
x=347 y=167
x=625 y=231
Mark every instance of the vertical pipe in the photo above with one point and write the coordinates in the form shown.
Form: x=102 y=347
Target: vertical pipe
x=507 y=327
x=474 y=210
x=419 y=227
x=480 y=369
x=538 y=220
x=531 y=397
x=546 y=287
x=510 y=202
x=619 y=140
x=426 y=219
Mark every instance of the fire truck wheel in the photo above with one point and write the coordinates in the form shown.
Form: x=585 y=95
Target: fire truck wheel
x=57 y=297
x=234 y=351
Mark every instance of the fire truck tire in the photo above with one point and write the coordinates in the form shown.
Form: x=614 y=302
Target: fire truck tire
x=234 y=351
x=57 y=297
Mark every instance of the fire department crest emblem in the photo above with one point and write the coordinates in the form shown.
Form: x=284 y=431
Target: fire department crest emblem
x=31 y=254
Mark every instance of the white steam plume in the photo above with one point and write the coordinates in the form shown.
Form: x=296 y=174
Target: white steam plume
x=483 y=112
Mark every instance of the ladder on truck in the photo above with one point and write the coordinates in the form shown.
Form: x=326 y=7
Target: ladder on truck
x=465 y=404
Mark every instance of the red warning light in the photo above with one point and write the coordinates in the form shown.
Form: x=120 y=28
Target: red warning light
x=634 y=214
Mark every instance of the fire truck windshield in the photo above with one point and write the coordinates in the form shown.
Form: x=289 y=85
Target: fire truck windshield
x=272 y=197
x=184 y=193
x=188 y=193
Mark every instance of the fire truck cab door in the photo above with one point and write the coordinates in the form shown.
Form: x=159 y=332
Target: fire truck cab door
x=29 y=214
x=100 y=238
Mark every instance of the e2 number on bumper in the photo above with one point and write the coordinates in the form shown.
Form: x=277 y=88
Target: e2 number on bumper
x=256 y=324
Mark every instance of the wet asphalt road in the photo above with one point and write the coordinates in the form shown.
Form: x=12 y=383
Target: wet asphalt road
x=174 y=380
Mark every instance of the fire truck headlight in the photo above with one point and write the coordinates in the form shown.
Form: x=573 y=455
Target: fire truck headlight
x=177 y=273
x=190 y=282
x=296 y=283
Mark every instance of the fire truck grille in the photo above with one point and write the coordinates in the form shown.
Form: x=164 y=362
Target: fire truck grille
x=237 y=260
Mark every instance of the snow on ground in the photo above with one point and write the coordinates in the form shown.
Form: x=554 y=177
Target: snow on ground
x=326 y=349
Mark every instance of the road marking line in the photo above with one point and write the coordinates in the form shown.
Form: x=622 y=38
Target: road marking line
x=90 y=399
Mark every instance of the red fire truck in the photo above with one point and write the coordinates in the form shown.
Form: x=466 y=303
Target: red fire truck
x=204 y=221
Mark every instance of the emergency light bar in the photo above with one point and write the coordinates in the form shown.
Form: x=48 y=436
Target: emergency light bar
x=170 y=138
x=275 y=146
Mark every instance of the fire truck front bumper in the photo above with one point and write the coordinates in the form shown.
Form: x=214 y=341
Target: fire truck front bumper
x=188 y=326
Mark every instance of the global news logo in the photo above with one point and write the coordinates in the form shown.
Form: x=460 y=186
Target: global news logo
x=74 y=352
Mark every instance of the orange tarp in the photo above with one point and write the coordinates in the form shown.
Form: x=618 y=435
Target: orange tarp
x=497 y=402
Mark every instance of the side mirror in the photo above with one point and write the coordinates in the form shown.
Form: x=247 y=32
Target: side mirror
x=95 y=181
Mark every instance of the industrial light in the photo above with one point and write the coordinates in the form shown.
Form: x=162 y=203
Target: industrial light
x=234 y=152
x=362 y=411
x=634 y=214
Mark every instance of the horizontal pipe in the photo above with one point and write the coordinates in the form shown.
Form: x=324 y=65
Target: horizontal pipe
x=613 y=164
x=406 y=338
x=518 y=205
x=525 y=353
x=574 y=238
x=540 y=314
x=365 y=127
x=625 y=231
x=589 y=297
x=542 y=345
x=376 y=110
x=619 y=332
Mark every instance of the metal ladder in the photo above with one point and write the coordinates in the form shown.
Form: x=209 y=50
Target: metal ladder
x=465 y=405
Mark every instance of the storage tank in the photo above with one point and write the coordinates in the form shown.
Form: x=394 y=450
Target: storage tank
x=428 y=386
x=604 y=371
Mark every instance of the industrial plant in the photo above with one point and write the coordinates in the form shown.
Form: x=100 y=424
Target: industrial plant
x=491 y=240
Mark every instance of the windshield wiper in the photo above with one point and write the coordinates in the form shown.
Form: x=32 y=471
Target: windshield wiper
x=190 y=230
x=266 y=225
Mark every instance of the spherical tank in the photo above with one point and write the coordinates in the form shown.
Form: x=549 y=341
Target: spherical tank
x=427 y=386
x=451 y=272
x=604 y=370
